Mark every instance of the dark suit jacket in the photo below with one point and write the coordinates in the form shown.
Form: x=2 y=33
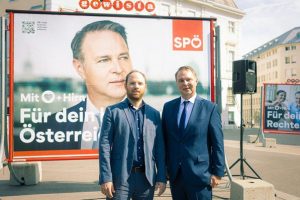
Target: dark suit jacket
x=117 y=145
x=63 y=127
x=200 y=151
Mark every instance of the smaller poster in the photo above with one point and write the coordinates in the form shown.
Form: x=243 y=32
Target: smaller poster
x=281 y=108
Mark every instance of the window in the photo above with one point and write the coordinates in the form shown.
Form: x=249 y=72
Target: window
x=230 y=117
x=231 y=27
x=230 y=60
x=274 y=63
x=230 y=97
x=287 y=60
x=294 y=73
x=292 y=47
x=293 y=60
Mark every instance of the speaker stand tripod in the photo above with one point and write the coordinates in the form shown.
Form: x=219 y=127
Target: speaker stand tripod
x=241 y=159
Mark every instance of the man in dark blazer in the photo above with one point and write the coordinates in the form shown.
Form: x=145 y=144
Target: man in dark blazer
x=101 y=58
x=194 y=141
x=132 y=151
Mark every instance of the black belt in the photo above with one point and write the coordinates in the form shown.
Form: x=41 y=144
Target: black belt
x=138 y=169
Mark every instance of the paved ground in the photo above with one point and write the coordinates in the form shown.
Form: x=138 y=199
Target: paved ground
x=78 y=179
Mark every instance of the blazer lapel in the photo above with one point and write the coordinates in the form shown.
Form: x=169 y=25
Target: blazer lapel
x=145 y=118
x=128 y=116
x=197 y=109
x=176 y=110
x=173 y=118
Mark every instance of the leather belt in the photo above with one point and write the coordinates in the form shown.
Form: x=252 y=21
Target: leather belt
x=138 y=169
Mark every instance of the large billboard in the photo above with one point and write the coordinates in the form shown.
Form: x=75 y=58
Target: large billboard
x=281 y=108
x=67 y=68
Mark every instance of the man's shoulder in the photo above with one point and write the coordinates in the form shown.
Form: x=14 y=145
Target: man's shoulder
x=117 y=106
x=292 y=106
x=81 y=106
x=172 y=102
x=205 y=101
x=150 y=108
x=207 y=104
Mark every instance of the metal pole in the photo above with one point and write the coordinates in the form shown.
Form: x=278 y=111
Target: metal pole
x=5 y=93
x=260 y=114
x=251 y=119
x=218 y=70
x=241 y=140
x=2 y=105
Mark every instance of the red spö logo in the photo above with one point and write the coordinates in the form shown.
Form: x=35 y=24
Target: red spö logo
x=187 y=35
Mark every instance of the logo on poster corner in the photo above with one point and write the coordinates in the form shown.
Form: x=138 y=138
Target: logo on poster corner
x=187 y=35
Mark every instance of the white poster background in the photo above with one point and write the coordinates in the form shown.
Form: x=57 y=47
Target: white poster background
x=150 y=43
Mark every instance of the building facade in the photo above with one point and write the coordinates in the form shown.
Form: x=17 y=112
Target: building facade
x=226 y=12
x=277 y=62
x=21 y=5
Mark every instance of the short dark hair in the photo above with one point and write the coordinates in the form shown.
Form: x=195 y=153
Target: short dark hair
x=76 y=44
x=186 y=67
x=280 y=91
x=134 y=71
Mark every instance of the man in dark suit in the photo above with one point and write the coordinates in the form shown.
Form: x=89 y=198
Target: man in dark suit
x=194 y=141
x=101 y=58
x=132 y=151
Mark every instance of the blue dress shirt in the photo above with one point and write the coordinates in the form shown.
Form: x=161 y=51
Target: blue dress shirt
x=138 y=116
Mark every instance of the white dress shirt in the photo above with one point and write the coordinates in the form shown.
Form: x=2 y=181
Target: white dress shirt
x=188 y=108
x=91 y=128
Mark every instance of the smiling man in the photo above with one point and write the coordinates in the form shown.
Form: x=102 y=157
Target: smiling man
x=194 y=141
x=101 y=58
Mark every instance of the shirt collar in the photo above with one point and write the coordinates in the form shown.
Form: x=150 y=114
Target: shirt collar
x=90 y=107
x=192 y=99
x=131 y=106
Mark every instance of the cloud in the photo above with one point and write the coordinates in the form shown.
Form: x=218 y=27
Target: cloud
x=266 y=20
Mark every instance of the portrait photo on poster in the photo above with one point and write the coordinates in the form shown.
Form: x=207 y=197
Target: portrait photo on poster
x=74 y=67
x=282 y=108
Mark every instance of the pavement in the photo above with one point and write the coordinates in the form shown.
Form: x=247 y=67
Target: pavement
x=78 y=179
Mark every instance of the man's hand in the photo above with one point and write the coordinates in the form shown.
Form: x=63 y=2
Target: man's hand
x=107 y=189
x=215 y=180
x=161 y=186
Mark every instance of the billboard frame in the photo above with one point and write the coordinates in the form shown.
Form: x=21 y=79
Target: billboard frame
x=86 y=154
x=269 y=131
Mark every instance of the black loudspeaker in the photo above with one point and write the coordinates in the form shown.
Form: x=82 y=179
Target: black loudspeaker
x=244 y=77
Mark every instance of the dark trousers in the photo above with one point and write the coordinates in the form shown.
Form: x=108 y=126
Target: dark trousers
x=138 y=188
x=182 y=190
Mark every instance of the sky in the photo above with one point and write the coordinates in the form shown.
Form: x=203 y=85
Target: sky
x=266 y=20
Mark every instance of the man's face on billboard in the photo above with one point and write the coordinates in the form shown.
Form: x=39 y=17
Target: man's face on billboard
x=105 y=64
